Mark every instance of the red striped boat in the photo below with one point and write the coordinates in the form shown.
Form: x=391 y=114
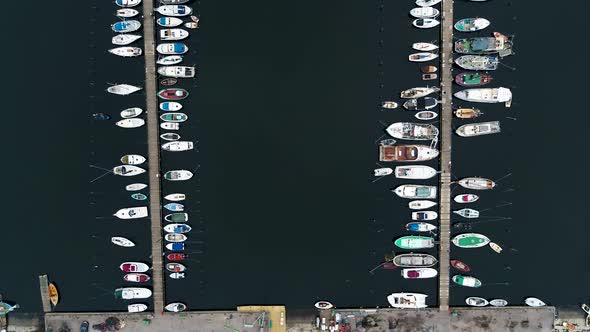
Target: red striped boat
x=173 y=94
x=177 y=256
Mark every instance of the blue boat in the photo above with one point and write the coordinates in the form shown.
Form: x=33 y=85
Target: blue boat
x=101 y=116
x=420 y=227
x=177 y=228
x=139 y=196
x=175 y=246
x=174 y=207
x=126 y=26
x=172 y=48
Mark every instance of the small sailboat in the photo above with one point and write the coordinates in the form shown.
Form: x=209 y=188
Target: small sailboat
x=421 y=204
x=101 y=116
x=414 y=260
x=137 y=307
x=131 y=123
x=174 y=207
x=126 y=51
x=139 y=196
x=466 y=198
x=420 y=104
x=175 y=307
x=132 y=213
x=498 y=303
x=407 y=300
x=135 y=186
x=471 y=24
x=177 y=71
x=173 y=34
x=175 y=247
x=177 y=275
x=467 y=113
x=175 y=197
x=466 y=281
x=422 y=57
x=170 y=106
x=125 y=39
x=383 y=171
x=127 y=170
x=169 y=60
x=175 y=267
x=175 y=237
x=425 y=23
x=169 y=22
x=424 y=12
x=467 y=213
x=495 y=247
x=470 y=240
x=53 y=294
x=133 y=159
x=174 y=10
x=419 y=273
x=479 y=129
x=424 y=215
x=177 y=146
x=174 y=117
x=414 y=242
x=127 y=3
x=131 y=112
x=416 y=191
x=475 y=301
x=534 y=302
x=123 y=89
x=418 y=92
x=477 y=183
x=129 y=293
x=460 y=265
x=414 y=172
x=424 y=47
x=170 y=125
x=427 y=3
x=126 y=26
x=136 y=277
x=177 y=228
x=425 y=115
x=420 y=227
x=134 y=267
x=389 y=104
x=170 y=136
x=172 y=48
x=178 y=175
x=173 y=94
x=126 y=12
x=169 y=81
x=176 y=217
x=122 y=242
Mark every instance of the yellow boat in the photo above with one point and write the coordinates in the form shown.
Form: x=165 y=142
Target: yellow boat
x=53 y=294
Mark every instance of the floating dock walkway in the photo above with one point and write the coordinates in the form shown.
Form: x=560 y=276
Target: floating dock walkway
x=44 y=289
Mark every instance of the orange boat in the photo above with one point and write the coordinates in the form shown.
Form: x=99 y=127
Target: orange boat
x=53 y=294
x=428 y=69
x=467 y=113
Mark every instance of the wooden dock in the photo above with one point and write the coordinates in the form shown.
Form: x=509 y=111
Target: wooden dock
x=44 y=289
x=446 y=112
x=153 y=154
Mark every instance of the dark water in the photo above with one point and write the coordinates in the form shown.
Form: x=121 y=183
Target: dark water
x=285 y=116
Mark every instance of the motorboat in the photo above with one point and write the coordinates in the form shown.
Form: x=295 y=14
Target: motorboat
x=498 y=303
x=427 y=3
x=174 y=117
x=485 y=95
x=134 y=267
x=191 y=25
x=425 y=23
x=389 y=105
x=53 y=294
x=383 y=171
x=174 y=10
x=473 y=79
x=174 y=207
x=125 y=39
x=416 y=191
x=495 y=247
x=477 y=62
x=177 y=228
x=471 y=24
x=169 y=22
x=123 y=89
x=170 y=125
x=426 y=115
x=175 y=267
x=414 y=242
x=139 y=196
x=460 y=265
x=467 y=113
x=169 y=60
x=129 y=293
x=126 y=26
x=470 y=240
x=195 y=19
x=127 y=3
x=424 y=215
x=475 y=301
x=414 y=260
x=126 y=12
x=422 y=57
x=131 y=112
x=428 y=69
x=136 y=277
x=132 y=213
x=135 y=186
x=421 y=204
x=173 y=94
x=131 y=123
x=412 y=131
x=170 y=80
x=176 y=246
x=177 y=146
x=101 y=116
x=127 y=170
x=177 y=71
x=175 y=237
x=407 y=153
x=177 y=275
x=467 y=213
x=466 y=198
x=175 y=197
x=499 y=43
x=534 y=302
x=424 y=12
x=126 y=51
x=122 y=242
x=175 y=307
x=172 y=48
x=424 y=47
x=407 y=300
x=420 y=227
x=170 y=136
x=428 y=77
x=466 y=281
x=479 y=129
x=137 y=307
x=418 y=92
x=414 y=172
x=420 y=104
x=176 y=217
x=178 y=175
x=419 y=273
x=477 y=183
x=133 y=159
x=173 y=34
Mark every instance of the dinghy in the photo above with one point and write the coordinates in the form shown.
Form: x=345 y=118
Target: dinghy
x=466 y=281
x=495 y=247
x=420 y=227
x=471 y=24
x=191 y=25
x=138 y=307
x=427 y=3
x=122 y=242
x=101 y=116
x=175 y=307
x=174 y=10
x=414 y=260
x=126 y=26
x=126 y=12
x=126 y=51
x=428 y=69
x=124 y=39
x=129 y=293
x=470 y=240
x=173 y=94
x=173 y=34
x=174 y=117
x=414 y=172
x=477 y=183
x=169 y=81
x=172 y=48
x=479 y=129
x=420 y=204
x=170 y=137
x=175 y=197
x=139 y=196
x=475 y=301
x=176 y=217
x=498 y=303
x=414 y=242
x=175 y=247
x=177 y=71
x=424 y=215
x=407 y=300
x=53 y=294
x=177 y=275
x=132 y=213
x=466 y=198
x=467 y=213
x=424 y=12
x=412 y=131
x=175 y=267
x=131 y=123
x=133 y=159
x=131 y=112
x=425 y=23
x=387 y=142
x=169 y=22
x=460 y=265
x=177 y=146
x=123 y=89
x=389 y=104
x=416 y=191
x=383 y=171
x=170 y=125
x=419 y=273
x=424 y=47
x=127 y=3
x=177 y=228
x=420 y=104
x=422 y=57
x=170 y=60
x=134 y=267
x=135 y=186
x=178 y=175
x=175 y=207
x=428 y=77
x=127 y=170
x=136 y=277
x=195 y=19
x=425 y=115
x=467 y=113
x=534 y=302
x=418 y=92
x=175 y=237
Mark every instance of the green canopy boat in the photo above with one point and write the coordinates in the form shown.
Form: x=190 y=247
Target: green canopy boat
x=466 y=281
x=139 y=196
x=414 y=242
x=470 y=240
x=174 y=117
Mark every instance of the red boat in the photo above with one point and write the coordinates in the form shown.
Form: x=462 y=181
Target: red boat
x=460 y=265
x=136 y=277
x=169 y=81
x=473 y=79
x=389 y=266
x=176 y=256
x=173 y=94
x=175 y=267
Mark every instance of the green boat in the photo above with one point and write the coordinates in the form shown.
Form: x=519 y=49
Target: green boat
x=473 y=79
x=414 y=242
x=139 y=196
x=466 y=281
x=470 y=240
x=177 y=217
x=174 y=117
x=471 y=24
x=485 y=45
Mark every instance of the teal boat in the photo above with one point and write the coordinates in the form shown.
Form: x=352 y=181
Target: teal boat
x=471 y=24
x=466 y=281
x=470 y=240
x=414 y=242
x=6 y=308
x=139 y=196
x=174 y=117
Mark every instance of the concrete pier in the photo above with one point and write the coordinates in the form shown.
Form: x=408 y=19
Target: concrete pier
x=44 y=289
x=153 y=154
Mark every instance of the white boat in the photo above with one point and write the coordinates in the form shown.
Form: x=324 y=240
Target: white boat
x=126 y=12
x=466 y=198
x=126 y=26
x=407 y=300
x=421 y=204
x=175 y=246
x=170 y=136
x=178 y=175
x=479 y=129
x=175 y=238
x=175 y=307
x=133 y=159
x=191 y=25
x=420 y=227
x=173 y=34
x=174 y=117
x=412 y=131
x=127 y=170
x=427 y=3
x=485 y=95
x=422 y=57
x=425 y=115
x=138 y=307
x=534 y=302
x=424 y=215
x=127 y=3
x=129 y=293
x=122 y=242
x=131 y=112
x=477 y=183
x=424 y=47
x=383 y=171
x=498 y=303
x=414 y=172
x=418 y=92
x=323 y=305
x=467 y=213
x=135 y=186
x=125 y=39
x=171 y=106
x=177 y=71
x=424 y=12
x=177 y=228
x=389 y=105
x=174 y=10
x=170 y=60
x=416 y=191
x=175 y=197
x=419 y=273
x=131 y=123
x=425 y=23
x=177 y=146
x=170 y=125
x=172 y=48
x=169 y=22
x=177 y=275
x=495 y=247
x=475 y=301
x=134 y=267
x=472 y=24
x=132 y=213
x=470 y=240
x=123 y=89
x=126 y=51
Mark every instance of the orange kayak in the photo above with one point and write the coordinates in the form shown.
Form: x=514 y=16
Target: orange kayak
x=53 y=294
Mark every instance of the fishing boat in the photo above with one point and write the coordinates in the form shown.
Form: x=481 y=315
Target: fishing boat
x=498 y=303
x=466 y=281
x=176 y=217
x=421 y=204
x=169 y=22
x=387 y=142
x=425 y=23
x=418 y=92
x=425 y=115
x=133 y=159
x=136 y=277
x=424 y=215
x=470 y=240
x=101 y=116
x=175 y=267
x=172 y=48
x=419 y=273
x=420 y=227
x=416 y=191
x=175 y=247
x=389 y=104
x=127 y=3
x=177 y=146
x=126 y=12
x=467 y=213
x=175 y=307
x=383 y=171
x=407 y=300
x=175 y=207
x=127 y=170
x=428 y=69
x=424 y=47
x=173 y=2
x=126 y=51
x=134 y=267
x=420 y=104
x=122 y=242
x=137 y=307
x=169 y=81
x=170 y=136
x=169 y=60
x=126 y=26
x=495 y=247
x=460 y=265
x=173 y=34
x=173 y=94
x=414 y=260
x=485 y=95
x=177 y=228
x=170 y=106
x=174 y=117
x=174 y=10
x=473 y=79
x=476 y=183
x=132 y=213
x=131 y=123
x=412 y=131
x=534 y=302
x=477 y=62
x=467 y=113
x=177 y=71
x=125 y=39
x=139 y=196
x=424 y=12
x=175 y=197
x=422 y=57
x=175 y=237
x=123 y=89
x=178 y=175
x=479 y=129
x=191 y=25
x=466 y=198
x=427 y=3
x=471 y=24
x=414 y=172
x=131 y=112
x=53 y=294
x=428 y=77
x=170 y=125
x=177 y=275
x=484 y=45
x=414 y=242
x=475 y=301
x=129 y=293
x=135 y=186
